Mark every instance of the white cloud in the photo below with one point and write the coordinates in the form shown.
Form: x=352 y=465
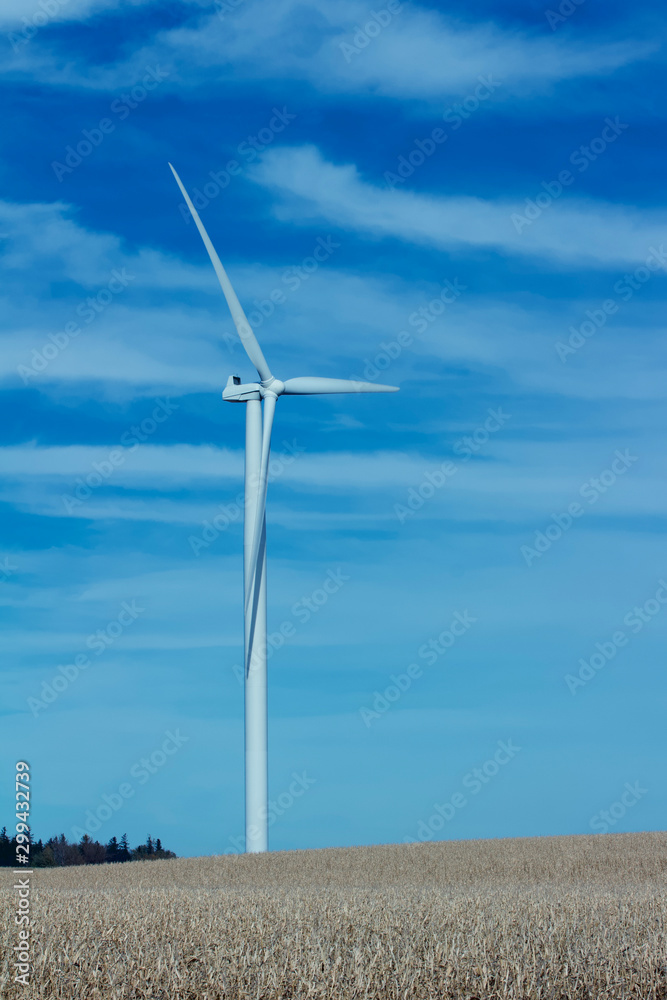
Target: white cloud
x=567 y=230
x=163 y=357
x=150 y=465
x=170 y=332
x=142 y=466
x=418 y=53
x=49 y=241
x=129 y=336
x=176 y=340
x=517 y=479
x=17 y=14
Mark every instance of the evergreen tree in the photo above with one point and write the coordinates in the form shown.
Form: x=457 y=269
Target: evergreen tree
x=58 y=851
x=6 y=858
x=45 y=858
x=124 y=849
x=112 y=851
x=92 y=852
x=160 y=852
x=64 y=852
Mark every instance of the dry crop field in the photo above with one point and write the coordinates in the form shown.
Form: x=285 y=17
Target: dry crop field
x=558 y=917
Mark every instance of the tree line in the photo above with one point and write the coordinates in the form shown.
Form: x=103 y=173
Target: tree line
x=57 y=851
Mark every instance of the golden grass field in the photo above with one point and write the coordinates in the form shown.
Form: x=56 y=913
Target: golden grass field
x=558 y=917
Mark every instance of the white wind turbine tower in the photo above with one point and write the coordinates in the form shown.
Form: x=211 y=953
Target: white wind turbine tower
x=257 y=447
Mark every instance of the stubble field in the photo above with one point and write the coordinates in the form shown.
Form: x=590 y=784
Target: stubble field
x=561 y=917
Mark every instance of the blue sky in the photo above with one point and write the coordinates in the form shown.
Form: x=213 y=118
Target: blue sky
x=487 y=196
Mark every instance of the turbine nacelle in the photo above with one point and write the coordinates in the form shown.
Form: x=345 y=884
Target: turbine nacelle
x=308 y=385
x=238 y=392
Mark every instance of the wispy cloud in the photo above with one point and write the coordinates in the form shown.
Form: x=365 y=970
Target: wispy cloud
x=595 y=234
x=16 y=14
x=169 y=330
x=417 y=53
x=510 y=482
x=47 y=239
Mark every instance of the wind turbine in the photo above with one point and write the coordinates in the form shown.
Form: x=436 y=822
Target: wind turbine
x=257 y=449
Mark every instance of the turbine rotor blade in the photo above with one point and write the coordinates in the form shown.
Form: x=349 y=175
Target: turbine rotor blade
x=311 y=385
x=260 y=511
x=252 y=596
x=245 y=332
